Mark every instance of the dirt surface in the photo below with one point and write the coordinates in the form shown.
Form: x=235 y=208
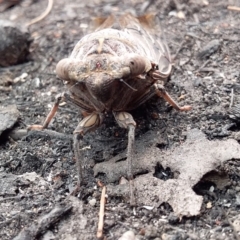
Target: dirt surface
x=38 y=171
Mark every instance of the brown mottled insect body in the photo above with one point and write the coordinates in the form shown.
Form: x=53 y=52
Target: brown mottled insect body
x=115 y=69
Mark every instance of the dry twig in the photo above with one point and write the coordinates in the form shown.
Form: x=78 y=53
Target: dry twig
x=43 y=15
x=40 y=226
x=232 y=98
x=203 y=65
x=178 y=50
x=101 y=214
x=22 y=133
x=234 y=8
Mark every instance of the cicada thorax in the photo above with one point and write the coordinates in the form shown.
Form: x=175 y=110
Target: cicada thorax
x=116 y=64
x=146 y=35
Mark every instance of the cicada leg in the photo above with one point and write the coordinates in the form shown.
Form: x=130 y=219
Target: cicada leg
x=89 y=123
x=161 y=92
x=50 y=115
x=125 y=120
x=61 y=98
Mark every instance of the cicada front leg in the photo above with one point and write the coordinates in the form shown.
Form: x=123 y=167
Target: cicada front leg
x=88 y=123
x=51 y=114
x=161 y=92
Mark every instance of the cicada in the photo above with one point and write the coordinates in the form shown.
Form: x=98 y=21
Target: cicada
x=116 y=68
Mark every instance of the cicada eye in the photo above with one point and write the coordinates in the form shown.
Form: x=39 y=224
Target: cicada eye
x=138 y=65
x=71 y=69
x=62 y=69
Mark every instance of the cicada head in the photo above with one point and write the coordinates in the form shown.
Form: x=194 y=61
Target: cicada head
x=100 y=74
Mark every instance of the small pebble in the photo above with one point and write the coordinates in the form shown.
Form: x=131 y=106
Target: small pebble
x=168 y=237
x=92 y=202
x=238 y=200
x=172 y=218
x=151 y=232
x=236 y=225
x=129 y=235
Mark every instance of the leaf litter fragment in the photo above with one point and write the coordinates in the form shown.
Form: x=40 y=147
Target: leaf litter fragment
x=192 y=160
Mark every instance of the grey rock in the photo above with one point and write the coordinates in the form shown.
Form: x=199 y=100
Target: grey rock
x=209 y=49
x=14 y=43
x=8 y=117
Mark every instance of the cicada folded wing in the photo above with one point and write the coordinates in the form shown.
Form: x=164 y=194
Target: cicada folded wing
x=146 y=32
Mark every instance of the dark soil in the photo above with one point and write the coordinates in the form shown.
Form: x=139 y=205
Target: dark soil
x=206 y=50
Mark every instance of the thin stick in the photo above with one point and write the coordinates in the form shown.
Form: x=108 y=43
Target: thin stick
x=21 y=133
x=43 y=15
x=101 y=214
x=204 y=65
x=178 y=50
x=234 y=8
x=232 y=97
